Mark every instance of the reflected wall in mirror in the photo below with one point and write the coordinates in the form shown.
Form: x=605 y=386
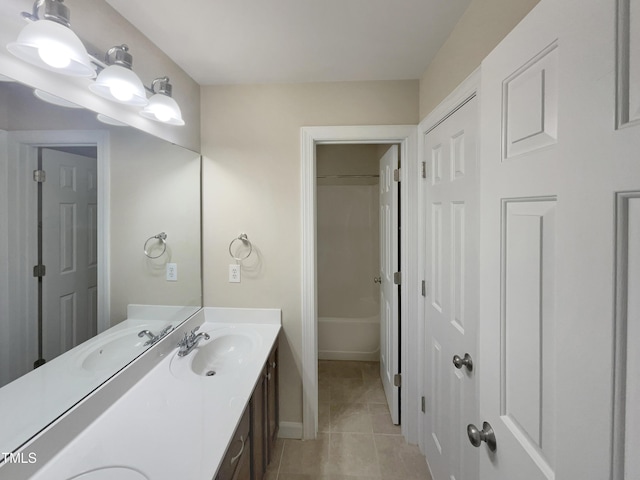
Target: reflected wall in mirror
x=79 y=298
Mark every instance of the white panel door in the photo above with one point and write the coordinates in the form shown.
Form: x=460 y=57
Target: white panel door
x=553 y=167
x=69 y=251
x=389 y=318
x=451 y=303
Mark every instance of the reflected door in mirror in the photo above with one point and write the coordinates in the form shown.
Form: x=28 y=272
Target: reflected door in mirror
x=69 y=250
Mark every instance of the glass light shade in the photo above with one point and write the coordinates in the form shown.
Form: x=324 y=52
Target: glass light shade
x=163 y=108
x=54 y=99
x=119 y=84
x=110 y=121
x=54 y=47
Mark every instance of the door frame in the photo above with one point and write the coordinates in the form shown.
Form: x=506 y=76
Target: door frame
x=468 y=88
x=406 y=136
x=23 y=145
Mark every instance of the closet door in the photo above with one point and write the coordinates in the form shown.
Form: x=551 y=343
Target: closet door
x=451 y=302
x=559 y=182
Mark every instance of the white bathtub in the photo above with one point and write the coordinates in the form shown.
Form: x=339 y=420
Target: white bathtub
x=349 y=338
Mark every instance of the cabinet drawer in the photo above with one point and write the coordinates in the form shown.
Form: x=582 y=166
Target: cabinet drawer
x=238 y=447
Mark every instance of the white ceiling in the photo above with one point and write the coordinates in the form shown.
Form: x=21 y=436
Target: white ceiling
x=287 y=41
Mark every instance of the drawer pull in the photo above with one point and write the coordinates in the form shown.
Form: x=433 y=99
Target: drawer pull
x=235 y=458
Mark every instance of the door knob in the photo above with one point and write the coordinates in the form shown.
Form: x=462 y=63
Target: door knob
x=377 y=280
x=466 y=361
x=476 y=437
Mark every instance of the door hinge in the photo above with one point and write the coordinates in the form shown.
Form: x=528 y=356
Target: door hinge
x=397 y=380
x=424 y=404
x=39 y=271
x=396 y=175
x=39 y=176
x=424 y=169
x=424 y=288
x=397 y=278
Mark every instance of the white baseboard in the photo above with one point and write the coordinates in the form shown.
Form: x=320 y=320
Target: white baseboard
x=290 y=430
x=349 y=356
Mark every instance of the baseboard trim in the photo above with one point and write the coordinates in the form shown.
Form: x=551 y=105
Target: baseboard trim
x=349 y=356
x=290 y=430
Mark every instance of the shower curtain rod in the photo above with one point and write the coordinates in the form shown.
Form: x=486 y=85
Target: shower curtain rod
x=348 y=176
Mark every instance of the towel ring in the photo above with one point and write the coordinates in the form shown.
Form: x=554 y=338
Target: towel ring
x=244 y=239
x=163 y=238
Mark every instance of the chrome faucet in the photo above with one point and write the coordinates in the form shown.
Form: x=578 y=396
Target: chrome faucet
x=189 y=342
x=153 y=339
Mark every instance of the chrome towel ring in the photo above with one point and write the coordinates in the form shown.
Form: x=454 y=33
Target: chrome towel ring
x=245 y=240
x=163 y=238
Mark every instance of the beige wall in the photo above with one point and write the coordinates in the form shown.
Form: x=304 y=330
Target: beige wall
x=348 y=231
x=347 y=160
x=154 y=189
x=251 y=149
x=484 y=24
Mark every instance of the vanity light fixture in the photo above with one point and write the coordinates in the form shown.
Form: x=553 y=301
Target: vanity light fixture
x=118 y=82
x=161 y=107
x=48 y=41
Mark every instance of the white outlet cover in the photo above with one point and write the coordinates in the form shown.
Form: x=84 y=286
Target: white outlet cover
x=234 y=273
x=172 y=272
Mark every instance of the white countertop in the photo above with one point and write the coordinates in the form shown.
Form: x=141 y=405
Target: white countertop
x=174 y=424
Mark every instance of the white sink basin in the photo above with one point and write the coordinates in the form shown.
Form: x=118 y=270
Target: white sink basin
x=112 y=352
x=227 y=351
x=111 y=473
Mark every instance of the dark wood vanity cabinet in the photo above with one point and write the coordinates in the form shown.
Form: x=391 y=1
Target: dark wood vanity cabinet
x=251 y=449
x=236 y=464
x=258 y=427
x=264 y=420
x=272 y=399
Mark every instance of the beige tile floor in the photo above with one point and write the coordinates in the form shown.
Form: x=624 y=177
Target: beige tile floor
x=356 y=439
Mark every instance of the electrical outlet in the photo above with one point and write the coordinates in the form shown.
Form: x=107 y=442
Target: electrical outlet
x=234 y=273
x=172 y=272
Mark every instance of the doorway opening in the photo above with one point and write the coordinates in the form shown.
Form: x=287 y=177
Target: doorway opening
x=404 y=138
x=358 y=312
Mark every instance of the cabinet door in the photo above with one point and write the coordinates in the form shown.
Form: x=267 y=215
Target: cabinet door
x=243 y=470
x=272 y=402
x=259 y=427
x=239 y=446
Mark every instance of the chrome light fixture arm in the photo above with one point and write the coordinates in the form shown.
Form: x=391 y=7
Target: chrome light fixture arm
x=54 y=10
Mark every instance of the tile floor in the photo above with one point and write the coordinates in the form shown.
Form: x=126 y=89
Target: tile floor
x=356 y=439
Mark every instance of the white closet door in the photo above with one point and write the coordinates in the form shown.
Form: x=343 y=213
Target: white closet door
x=451 y=303
x=553 y=169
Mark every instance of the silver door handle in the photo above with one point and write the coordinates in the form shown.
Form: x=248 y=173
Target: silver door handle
x=476 y=437
x=377 y=280
x=460 y=362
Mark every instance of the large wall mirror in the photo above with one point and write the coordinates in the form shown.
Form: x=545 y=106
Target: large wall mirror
x=100 y=246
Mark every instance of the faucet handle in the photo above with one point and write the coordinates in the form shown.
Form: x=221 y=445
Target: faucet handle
x=166 y=330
